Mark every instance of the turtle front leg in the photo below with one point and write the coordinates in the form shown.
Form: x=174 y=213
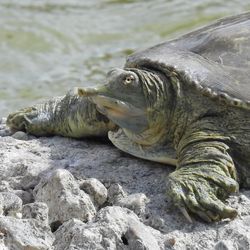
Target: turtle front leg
x=69 y=115
x=204 y=178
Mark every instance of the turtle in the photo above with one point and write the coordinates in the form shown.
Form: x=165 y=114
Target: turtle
x=184 y=102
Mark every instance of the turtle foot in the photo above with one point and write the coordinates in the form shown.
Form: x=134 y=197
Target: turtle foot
x=21 y=119
x=29 y=120
x=202 y=193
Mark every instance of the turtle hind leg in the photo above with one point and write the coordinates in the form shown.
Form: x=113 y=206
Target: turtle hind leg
x=70 y=115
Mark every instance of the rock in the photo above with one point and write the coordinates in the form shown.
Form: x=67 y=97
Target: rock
x=45 y=170
x=115 y=193
x=169 y=242
x=243 y=203
x=224 y=245
x=96 y=190
x=64 y=198
x=37 y=210
x=154 y=221
x=10 y=205
x=25 y=196
x=112 y=228
x=19 y=135
x=4 y=186
x=20 y=167
x=25 y=234
x=139 y=237
x=135 y=202
x=235 y=235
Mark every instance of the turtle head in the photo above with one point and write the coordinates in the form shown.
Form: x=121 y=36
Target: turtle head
x=127 y=99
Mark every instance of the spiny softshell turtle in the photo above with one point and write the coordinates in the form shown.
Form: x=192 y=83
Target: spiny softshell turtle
x=185 y=102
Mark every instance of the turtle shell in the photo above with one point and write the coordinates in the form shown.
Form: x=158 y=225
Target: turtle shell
x=214 y=59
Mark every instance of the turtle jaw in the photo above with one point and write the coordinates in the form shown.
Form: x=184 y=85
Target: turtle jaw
x=120 y=112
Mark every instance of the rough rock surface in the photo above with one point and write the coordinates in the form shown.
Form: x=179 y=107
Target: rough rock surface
x=113 y=228
x=24 y=234
x=10 y=204
x=96 y=190
x=60 y=193
x=64 y=198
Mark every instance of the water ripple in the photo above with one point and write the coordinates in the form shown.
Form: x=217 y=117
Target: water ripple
x=47 y=47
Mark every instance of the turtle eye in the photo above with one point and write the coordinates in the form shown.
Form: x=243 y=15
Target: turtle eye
x=129 y=79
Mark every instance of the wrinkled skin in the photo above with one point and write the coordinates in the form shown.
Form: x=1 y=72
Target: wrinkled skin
x=145 y=106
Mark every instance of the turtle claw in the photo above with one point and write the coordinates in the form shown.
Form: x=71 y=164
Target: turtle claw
x=195 y=194
x=204 y=216
x=185 y=213
x=21 y=119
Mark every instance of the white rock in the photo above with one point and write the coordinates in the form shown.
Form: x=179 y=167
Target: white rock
x=10 y=204
x=236 y=234
x=23 y=164
x=96 y=190
x=135 y=202
x=115 y=193
x=113 y=228
x=224 y=245
x=19 y=135
x=25 y=234
x=25 y=196
x=64 y=198
x=36 y=210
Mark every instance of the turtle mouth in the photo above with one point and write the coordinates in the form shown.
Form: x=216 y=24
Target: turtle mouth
x=112 y=107
x=122 y=113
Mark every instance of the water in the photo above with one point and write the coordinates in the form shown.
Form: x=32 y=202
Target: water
x=50 y=46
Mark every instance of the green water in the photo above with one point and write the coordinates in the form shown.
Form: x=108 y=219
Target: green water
x=49 y=46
